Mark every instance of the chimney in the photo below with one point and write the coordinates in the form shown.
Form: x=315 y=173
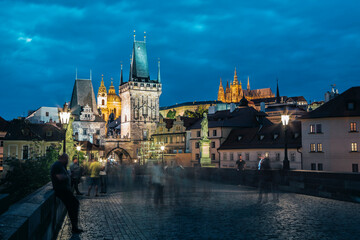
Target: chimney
x=262 y=107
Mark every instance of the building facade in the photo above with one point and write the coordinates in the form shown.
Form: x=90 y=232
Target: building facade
x=44 y=115
x=330 y=134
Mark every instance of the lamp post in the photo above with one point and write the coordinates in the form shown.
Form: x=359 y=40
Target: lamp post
x=285 y=122
x=162 y=158
x=64 y=119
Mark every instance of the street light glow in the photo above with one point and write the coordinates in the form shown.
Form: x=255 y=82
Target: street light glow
x=64 y=117
x=162 y=148
x=78 y=148
x=285 y=119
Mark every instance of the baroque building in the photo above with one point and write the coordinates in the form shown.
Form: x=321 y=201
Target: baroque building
x=234 y=92
x=139 y=97
x=110 y=102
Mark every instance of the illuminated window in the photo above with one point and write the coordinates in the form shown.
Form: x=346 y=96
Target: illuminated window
x=312 y=147
x=171 y=139
x=103 y=102
x=353 y=127
x=312 y=128
x=354 y=147
x=177 y=139
x=319 y=147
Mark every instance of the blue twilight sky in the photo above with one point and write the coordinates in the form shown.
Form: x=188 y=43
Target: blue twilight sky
x=307 y=44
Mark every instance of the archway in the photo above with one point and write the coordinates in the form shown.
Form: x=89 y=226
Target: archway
x=120 y=156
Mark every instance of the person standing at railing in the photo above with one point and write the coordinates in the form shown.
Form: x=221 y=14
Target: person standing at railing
x=61 y=183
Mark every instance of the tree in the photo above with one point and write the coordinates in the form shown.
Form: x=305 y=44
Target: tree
x=171 y=114
x=70 y=143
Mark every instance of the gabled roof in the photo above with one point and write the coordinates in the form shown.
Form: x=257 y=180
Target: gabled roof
x=339 y=106
x=195 y=103
x=20 y=129
x=83 y=93
x=241 y=117
x=4 y=125
x=266 y=137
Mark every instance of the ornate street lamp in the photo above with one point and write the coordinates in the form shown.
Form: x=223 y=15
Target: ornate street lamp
x=64 y=119
x=285 y=122
x=162 y=158
x=78 y=148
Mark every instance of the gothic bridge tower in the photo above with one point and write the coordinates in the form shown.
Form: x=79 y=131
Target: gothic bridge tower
x=139 y=97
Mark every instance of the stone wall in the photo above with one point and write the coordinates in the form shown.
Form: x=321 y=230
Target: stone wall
x=38 y=216
x=340 y=186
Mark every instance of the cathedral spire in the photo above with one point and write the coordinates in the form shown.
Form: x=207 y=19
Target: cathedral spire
x=159 y=77
x=277 y=91
x=221 y=94
x=248 y=84
x=134 y=35
x=235 y=82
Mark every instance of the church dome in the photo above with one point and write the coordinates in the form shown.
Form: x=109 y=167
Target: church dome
x=113 y=98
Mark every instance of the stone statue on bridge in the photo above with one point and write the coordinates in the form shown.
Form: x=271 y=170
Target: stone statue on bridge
x=204 y=127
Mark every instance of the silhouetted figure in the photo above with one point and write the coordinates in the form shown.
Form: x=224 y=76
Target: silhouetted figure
x=240 y=168
x=95 y=168
x=61 y=183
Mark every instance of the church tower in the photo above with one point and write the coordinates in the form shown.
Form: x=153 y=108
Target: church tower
x=139 y=97
x=221 y=94
x=228 y=93
x=102 y=95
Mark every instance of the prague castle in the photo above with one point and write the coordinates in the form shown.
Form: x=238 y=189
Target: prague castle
x=235 y=92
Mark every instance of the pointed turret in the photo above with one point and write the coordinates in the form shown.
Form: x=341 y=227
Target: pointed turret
x=248 y=84
x=221 y=93
x=158 y=77
x=112 y=88
x=121 y=76
x=278 y=99
x=235 y=82
x=102 y=88
x=227 y=93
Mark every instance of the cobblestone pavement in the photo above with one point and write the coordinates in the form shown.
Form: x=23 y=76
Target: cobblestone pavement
x=212 y=211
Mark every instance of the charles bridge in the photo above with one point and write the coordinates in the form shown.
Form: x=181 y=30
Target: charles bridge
x=210 y=204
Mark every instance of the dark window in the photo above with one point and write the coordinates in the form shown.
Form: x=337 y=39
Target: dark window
x=25 y=152
x=198 y=133
x=355 y=168
x=292 y=157
x=197 y=145
x=213 y=156
x=247 y=157
x=1 y=143
x=318 y=128
x=102 y=102
x=49 y=133
x=353 y=127
x=277 y=156
x=97 y=141
x=47 y=114
x=212 y=144
x=197 y=156
x=231 y=157
x=214 y=133
x=320 y=167
x=350 y=106
x=313 y=166
x=84 y=131
x=98 y=131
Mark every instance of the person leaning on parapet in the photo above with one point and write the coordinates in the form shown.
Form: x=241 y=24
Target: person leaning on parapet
x=76 y=172
x=95 y=168
x=61 y=183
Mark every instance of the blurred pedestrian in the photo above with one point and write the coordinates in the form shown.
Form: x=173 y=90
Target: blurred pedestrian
x=61 y=183
x=103 y=178
x=95 y=168
x=157 y=180
x=241 y=164
x=264 y=178
x=76 y=172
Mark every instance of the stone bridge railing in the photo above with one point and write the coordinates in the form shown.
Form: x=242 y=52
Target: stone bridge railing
x=340 y=186
x=38 y=216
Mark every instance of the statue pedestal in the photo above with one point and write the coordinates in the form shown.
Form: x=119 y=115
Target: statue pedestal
x=205 y=160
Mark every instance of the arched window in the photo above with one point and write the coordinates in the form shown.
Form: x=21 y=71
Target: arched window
x=103 y=102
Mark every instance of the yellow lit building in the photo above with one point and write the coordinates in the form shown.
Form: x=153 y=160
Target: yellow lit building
x=234 y=92
x=108 y=102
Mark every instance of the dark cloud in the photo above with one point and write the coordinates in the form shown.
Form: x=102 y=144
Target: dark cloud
x=307 y=44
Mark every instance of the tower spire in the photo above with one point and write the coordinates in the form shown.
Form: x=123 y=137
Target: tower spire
x=134 y=35
x=144 y=36
x=248 y=84
x=221 y=93
x=235 y=82
x=277 y=91
x=159 y=77
x=121 y=76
